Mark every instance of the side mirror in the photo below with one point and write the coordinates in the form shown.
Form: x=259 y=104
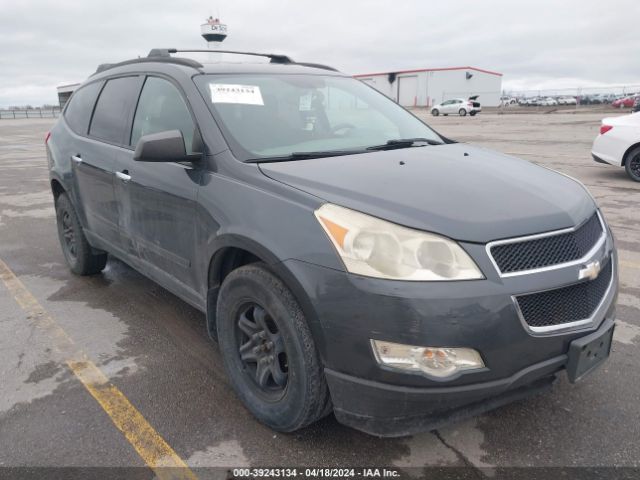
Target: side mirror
x=161 y=147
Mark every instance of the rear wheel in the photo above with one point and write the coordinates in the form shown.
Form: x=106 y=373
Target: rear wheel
x=632 y=164
x=462 y=112
x=435 y=112
x=75 y=247
x=268 y=351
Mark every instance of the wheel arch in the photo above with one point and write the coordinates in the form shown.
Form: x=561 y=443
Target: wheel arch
x=627 y=152
x=233 y=251
x=57 y=187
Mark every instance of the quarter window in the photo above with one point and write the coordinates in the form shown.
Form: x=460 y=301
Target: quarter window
x=78 y=111
x=162 y=108
x=112 y=110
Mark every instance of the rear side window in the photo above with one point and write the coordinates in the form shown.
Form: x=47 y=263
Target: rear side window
x=78 y=111
x=112 y=110
x=162 y=108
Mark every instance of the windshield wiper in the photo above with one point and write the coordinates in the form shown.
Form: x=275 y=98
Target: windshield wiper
x=404 y=143
x=305 y=156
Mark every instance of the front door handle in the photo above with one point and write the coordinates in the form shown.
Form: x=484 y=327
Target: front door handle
x=76 y=158
x=124 y=175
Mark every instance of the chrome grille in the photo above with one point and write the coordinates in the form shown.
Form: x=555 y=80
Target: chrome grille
x=567 y=304
x=547 y=250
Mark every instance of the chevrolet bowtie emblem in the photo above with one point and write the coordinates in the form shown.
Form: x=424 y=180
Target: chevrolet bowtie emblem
x=590 y=271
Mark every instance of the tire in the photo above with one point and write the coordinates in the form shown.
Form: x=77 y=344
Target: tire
x=435 y=112
x=75 y=247
x=462 y=112
x=473 y=114
x=632 y=164
x=258 y=318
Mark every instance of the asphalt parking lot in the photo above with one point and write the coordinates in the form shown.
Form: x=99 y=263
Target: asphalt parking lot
x=154 y=349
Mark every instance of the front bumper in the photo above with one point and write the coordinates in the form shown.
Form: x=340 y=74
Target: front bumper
x=392 y=411
x=346 y=311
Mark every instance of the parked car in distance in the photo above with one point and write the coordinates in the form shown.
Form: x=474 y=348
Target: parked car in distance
x=590 y=100
x=547 y=102
x=347 y=257
x=607 y=97
x=567 y=100
x=625 y=102
x=618 y=143
x=636 y=104
x=458 y=106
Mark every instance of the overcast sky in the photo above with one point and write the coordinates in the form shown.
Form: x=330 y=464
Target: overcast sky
x=535 y=43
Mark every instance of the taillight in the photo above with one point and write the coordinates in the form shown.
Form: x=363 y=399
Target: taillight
x=604 y=129
x=47 y=137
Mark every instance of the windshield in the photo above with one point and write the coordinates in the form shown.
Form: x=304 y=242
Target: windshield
x=273 y=116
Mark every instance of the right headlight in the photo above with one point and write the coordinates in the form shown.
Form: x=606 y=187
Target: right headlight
x=377 y=248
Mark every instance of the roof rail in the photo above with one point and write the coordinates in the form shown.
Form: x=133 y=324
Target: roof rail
x=187 y=62
x=317 y=65
x=274 y=57
x=165 y=52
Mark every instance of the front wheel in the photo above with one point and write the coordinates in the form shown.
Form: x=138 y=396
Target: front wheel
x=473 y=114
x=268 y=351
x=435 y=112
x=462 y=112
x=75 y=247
x=632 y=165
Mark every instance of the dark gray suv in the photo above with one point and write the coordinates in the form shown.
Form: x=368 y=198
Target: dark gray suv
x=349 y=259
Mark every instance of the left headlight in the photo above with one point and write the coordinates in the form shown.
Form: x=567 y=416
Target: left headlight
x=376 y=248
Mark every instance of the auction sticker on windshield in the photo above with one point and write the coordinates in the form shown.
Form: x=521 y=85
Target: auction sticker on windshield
x=243 y=94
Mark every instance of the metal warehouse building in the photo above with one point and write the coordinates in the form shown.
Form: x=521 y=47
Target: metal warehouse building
x=429 y=86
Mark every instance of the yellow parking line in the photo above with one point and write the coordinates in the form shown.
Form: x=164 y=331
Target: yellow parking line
x=151 y=447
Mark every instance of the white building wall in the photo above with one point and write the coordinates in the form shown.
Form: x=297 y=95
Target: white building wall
x=435 y=86
x=448 y=84
x=380 y=83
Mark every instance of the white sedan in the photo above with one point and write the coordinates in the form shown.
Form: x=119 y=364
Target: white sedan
x=567 y=101
x=619 y=143
x=547 y=102
x=459 y=106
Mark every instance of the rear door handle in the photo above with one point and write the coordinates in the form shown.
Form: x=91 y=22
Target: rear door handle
x=76 y=158
x=124 y=175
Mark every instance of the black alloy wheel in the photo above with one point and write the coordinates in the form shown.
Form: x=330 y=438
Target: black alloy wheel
x=68 y=235
x=262 y=351
x=80 y=256
x=268 y=350
x=632 y=165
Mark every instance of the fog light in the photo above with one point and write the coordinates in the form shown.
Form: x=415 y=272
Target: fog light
x=438 y=362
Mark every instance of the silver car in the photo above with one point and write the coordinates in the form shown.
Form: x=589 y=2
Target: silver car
x=458 y=106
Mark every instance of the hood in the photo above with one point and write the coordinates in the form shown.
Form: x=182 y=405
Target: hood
x=463 y=192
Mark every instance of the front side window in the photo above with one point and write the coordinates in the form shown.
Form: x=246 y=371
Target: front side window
x=109 y=120
x=78 y=111
x=162 y=108
x=265 y=116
